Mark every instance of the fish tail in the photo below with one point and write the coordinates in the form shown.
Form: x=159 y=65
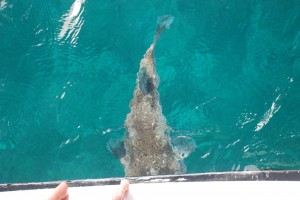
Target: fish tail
x=163 y=22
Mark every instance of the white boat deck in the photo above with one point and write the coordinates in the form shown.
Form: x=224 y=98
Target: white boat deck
x=169 y=187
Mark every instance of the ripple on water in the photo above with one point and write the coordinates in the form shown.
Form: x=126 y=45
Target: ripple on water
x=6 y=141
x=229 y=80
x=72 y=23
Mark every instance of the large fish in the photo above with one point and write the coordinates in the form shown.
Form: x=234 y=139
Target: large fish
x=147 y=148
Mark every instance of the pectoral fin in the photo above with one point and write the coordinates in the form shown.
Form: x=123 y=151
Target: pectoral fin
x=116 y=147
x=183 y=146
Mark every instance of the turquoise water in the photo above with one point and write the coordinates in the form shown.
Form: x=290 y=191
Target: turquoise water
x=229 y=70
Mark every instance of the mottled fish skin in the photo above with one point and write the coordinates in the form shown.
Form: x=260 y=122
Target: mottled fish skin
x=147 y=142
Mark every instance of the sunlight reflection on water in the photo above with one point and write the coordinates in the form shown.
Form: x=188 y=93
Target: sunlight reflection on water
x=73 y=22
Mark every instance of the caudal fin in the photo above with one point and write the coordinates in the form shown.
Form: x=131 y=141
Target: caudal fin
x=163 y=22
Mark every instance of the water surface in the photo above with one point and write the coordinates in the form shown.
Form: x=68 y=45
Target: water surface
x=229 y=71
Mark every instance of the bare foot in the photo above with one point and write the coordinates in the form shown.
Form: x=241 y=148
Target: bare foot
x=60 y=192
x=122 y=192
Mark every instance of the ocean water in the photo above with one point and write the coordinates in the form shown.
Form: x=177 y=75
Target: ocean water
x=229 y=79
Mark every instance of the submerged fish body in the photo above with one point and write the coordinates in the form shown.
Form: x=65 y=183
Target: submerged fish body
x=147 y=142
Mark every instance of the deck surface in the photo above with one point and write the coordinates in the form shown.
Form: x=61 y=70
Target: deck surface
x=242 y=185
